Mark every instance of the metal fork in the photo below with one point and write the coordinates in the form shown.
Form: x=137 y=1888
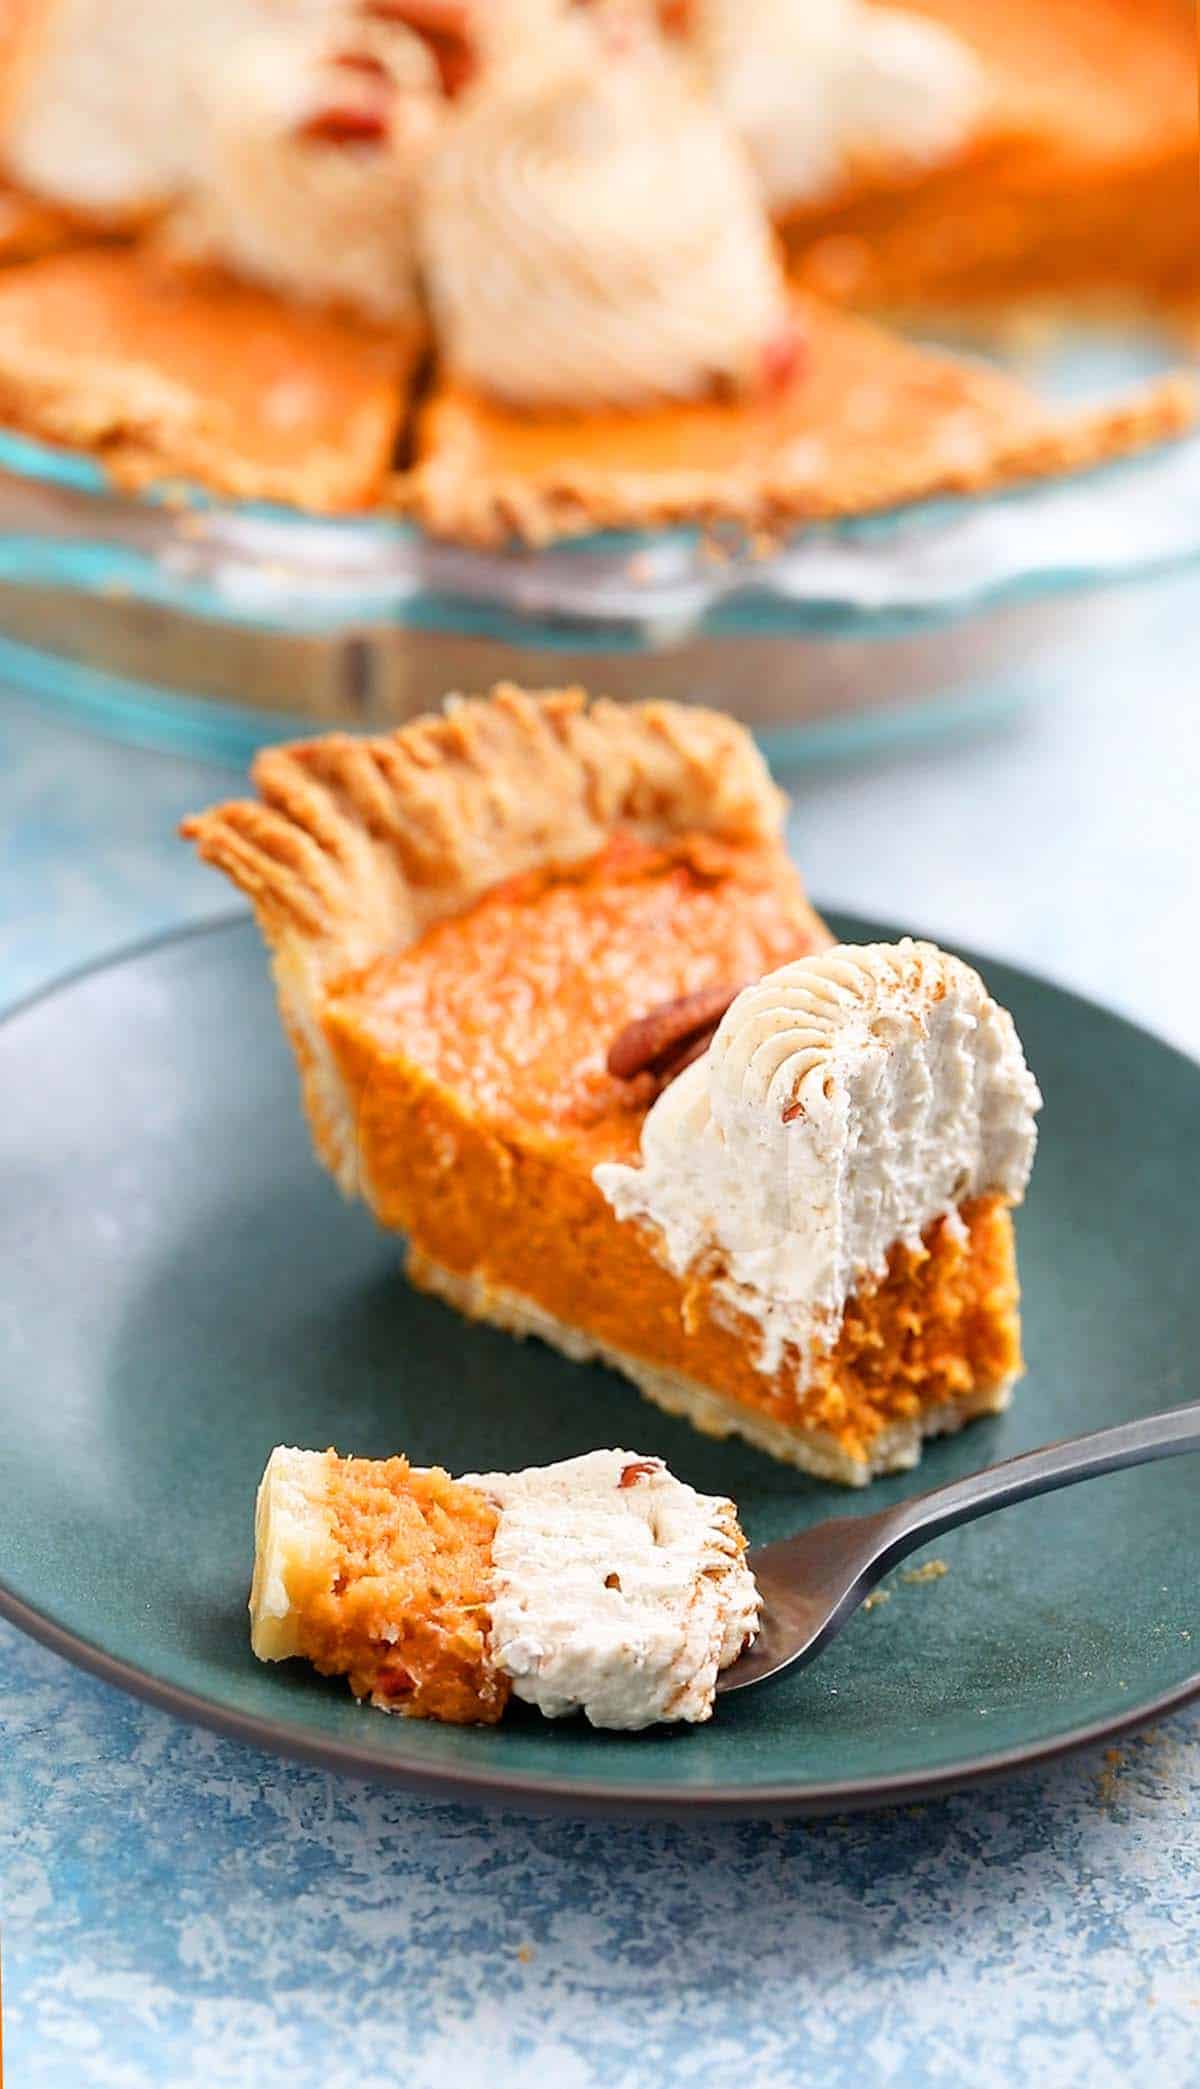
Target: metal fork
x=812 y=1583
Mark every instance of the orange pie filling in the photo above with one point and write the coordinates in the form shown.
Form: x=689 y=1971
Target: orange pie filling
x=1085 y=179
x=475 y=1060
x=373 y=1571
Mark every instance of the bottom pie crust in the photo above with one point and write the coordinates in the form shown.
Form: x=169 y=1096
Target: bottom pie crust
x=896 y=1448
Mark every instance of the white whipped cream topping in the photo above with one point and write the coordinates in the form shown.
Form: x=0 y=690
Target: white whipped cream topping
x=847 y=1101
x=106 y=104
x=503 y=29
x=818 y=88
x=620 y=1601
x=324 y=218
x=592 y=233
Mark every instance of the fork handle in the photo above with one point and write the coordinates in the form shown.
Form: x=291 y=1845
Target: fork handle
x=915 y=1522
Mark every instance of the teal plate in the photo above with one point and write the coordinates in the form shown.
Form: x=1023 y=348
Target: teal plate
x=181 y=1288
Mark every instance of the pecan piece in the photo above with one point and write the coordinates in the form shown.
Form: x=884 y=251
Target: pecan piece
x=342 y=124
x=640 y=1469
x=670 y=1036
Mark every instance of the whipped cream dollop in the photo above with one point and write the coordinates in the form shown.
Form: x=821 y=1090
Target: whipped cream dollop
x=309 y=175
x=592 y=231
x=817 y=89
x=847 y=1101
x=105 y=106
x=617 y=1590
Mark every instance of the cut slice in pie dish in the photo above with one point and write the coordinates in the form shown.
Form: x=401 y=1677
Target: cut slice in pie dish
x=503 y=940
x=862 y=422
x=606 y=362
x=172 y=373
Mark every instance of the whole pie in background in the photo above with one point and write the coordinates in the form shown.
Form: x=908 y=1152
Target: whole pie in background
x=512 y=268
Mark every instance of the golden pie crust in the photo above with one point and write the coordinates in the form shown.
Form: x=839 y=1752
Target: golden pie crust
x=356 y=847
x=869 y=422
x=463 y=914
x=170 y=373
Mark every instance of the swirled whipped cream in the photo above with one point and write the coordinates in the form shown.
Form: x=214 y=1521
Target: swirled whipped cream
x=617 y=1590
x=308 y=181
x=816 y=88
x=847 y=1101
x=592 y=232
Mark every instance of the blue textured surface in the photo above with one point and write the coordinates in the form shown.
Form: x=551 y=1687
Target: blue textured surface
x=184 y=1911
x=179 y=1910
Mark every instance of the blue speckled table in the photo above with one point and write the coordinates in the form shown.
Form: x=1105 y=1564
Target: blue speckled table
x=178 y=1910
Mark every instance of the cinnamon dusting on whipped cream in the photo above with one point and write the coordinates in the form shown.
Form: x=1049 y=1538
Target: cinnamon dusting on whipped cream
x=846 y=1101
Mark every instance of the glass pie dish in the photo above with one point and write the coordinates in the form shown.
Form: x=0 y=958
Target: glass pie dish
x=214 y=627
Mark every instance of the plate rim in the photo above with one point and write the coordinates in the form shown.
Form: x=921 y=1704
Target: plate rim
x=529 y=1791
